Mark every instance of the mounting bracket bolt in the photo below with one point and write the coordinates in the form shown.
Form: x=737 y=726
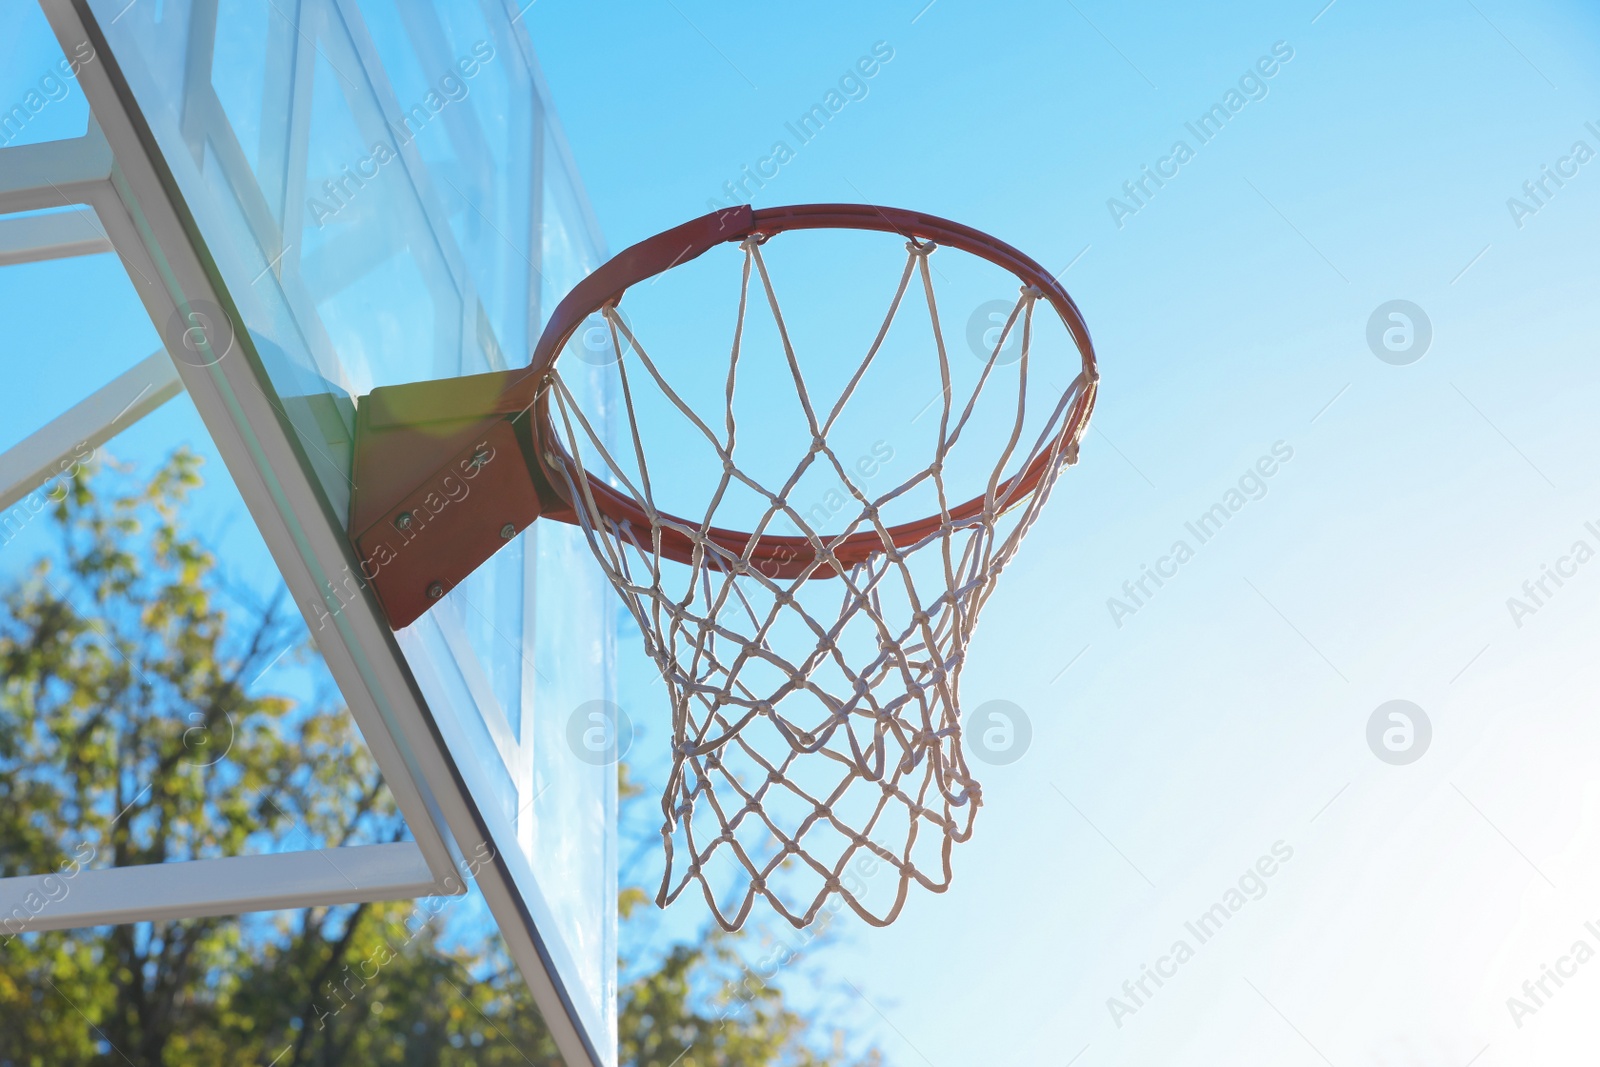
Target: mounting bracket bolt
x=435 y=590
x=508 y=531
x=403 y=521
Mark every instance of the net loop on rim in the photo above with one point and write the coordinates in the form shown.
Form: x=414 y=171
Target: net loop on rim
x=780 y=794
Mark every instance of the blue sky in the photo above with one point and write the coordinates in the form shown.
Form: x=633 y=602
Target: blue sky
x=1230 y=313
x=1223 y=725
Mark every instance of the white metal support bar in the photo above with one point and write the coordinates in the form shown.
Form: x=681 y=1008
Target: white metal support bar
x=73 y=435
x=53 y=173
x=233 y=885
x=34 y=238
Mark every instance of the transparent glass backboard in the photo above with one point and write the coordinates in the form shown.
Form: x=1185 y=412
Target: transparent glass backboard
x=389 y=200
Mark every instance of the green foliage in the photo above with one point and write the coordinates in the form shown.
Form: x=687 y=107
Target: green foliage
x=133 y=731
x=704 y=1006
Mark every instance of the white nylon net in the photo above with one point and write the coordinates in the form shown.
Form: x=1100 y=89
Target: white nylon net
x=815 y=719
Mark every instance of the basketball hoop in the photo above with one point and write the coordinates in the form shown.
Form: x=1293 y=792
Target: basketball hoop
x=814 y=676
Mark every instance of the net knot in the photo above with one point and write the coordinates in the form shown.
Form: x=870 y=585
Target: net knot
x=920 y=248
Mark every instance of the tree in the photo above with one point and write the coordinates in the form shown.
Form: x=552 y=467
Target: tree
x=133 y=730
x=704 y=1006
x=131 y=733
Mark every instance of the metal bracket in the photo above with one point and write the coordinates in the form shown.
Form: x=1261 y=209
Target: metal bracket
x=419 y=537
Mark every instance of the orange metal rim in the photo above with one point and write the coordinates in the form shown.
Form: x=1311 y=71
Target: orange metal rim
x=790 y=556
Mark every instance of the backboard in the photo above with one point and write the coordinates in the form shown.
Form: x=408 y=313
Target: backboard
x=322 y=199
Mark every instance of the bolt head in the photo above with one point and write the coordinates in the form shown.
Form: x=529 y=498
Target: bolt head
x=508 y=531
x=435 y=590
x=404 y=520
